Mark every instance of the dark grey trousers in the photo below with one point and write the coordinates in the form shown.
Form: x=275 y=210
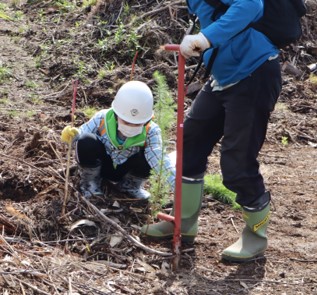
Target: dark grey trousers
x=90 y=152
x=238 y=118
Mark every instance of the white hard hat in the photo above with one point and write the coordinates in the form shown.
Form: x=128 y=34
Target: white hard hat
x=133 y=102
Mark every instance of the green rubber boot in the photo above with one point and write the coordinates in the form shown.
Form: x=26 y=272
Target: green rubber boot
x=253 y=241
x=192 y=192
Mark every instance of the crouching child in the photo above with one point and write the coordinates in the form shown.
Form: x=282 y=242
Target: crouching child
x=120 y=144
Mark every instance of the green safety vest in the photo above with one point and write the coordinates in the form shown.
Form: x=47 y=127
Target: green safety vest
x=108 y=125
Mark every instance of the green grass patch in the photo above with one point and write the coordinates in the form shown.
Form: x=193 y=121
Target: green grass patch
x=14 y=113
x=30 y=114
x=31 y=84
x=213 y=186
x=4 y=73
x=3 y=12
x=4 y=101
x=36 y=100
x=87 y=3
x=313 y=79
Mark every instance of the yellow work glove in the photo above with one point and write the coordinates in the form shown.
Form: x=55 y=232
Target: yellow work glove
x=69 y=133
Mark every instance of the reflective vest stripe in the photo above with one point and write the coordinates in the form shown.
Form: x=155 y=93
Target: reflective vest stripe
x=102 y=128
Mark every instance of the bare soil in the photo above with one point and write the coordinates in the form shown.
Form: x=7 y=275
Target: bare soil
x=81 y=252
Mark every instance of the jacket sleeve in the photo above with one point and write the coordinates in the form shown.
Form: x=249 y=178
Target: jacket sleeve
x=156 y=157
x=238 y=16
x=93 y=124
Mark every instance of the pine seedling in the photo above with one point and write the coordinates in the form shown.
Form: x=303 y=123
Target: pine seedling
x=164 y=111
x=164 y=108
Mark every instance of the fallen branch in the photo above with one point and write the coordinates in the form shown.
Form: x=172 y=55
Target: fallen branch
x=75 y=85
x=304 y=260
x=121 y=230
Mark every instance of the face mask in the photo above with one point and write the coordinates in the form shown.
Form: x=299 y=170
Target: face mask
x=129 y=131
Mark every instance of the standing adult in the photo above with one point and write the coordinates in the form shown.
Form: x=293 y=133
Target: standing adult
x=233 y=108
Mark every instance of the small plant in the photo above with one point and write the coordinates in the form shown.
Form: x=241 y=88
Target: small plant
x=102 y=73
x=120 y=34
x=43 y=53
x=3 y=7
x=83 y=70
x=19 y=15
x=65 y=5
x=164 y=110
x=88 y=3
x=213 y=186
x=281 y=106
x=30 y=113
x=31 y=84
x=36 y=100
x=23 y=29
x=4 y=73
x=3 y=14
x=313 y=79
x=38 y=61
x=159 y=190
x=102 y=44
x=284 y=140
x=108 y=68
x=16 y=3
x=126 y=10
x=4 y=101
x=14 y=113
x=125 y=40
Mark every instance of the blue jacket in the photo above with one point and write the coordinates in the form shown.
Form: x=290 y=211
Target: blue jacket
x=239 y=54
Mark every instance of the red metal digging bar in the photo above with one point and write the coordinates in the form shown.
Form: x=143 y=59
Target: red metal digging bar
x=176 y=219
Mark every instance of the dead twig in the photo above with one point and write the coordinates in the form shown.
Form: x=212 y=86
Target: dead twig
x=232 y=221
x=32 y=287
x=75 y=85
x=10 y=248
x=121 y=230
x=52 y=96
x=24 y=271
x=304 y=260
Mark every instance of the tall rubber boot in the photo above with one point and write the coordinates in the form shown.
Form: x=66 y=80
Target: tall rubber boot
x=192 y=193
x=90 y=181
x=133 y=186
x=253 y=241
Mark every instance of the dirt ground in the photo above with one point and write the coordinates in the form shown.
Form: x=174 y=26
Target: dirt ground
x=44 y=46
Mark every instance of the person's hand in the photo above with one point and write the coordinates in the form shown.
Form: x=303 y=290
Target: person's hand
x=193 y=45
x=68 y=134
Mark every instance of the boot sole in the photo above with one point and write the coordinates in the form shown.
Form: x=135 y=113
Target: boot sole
x=232 y=259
